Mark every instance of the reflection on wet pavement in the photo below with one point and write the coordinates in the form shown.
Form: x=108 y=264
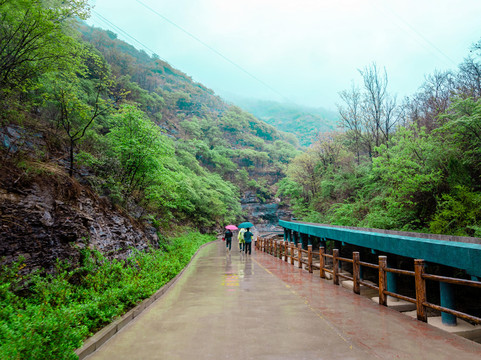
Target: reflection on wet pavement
x=237 y=306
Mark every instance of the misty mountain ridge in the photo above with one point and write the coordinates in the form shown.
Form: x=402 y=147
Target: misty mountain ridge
x=303 y=121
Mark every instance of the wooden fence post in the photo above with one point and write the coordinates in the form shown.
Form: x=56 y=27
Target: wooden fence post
x=335 y=266
x=299 y=255
x=292 y=253
x=382 y=280
x=309 y=258
x=420 y=284
x=286 y=250
x=322 y=273
x=356 y=286
x=280 y=244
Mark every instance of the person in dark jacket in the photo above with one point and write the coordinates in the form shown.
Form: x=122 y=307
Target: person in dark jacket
x=248 y=241
x=228 y=239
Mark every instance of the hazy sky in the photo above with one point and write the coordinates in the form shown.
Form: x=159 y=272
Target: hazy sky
x=304 y=50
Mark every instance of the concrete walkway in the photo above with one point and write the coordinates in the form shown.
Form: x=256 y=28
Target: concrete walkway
x=258 y=307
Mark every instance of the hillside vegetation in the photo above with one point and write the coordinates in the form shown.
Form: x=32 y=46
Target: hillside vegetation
x=136 y=130
x=409 y=166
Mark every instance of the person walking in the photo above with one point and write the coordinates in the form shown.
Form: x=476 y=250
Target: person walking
x=228 y=239
x=240 y=237
x=248 y=241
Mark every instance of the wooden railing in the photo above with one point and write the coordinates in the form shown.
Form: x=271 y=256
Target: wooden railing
x=288 y=251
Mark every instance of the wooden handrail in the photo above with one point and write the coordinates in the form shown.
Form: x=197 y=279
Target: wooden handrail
x=399 y=271
x=454 y=312
x=344 y=276
x=366 y=264
x=295 y=253
x=400 y=297
x=345 y=259
x=456 y=281
x=371 y=286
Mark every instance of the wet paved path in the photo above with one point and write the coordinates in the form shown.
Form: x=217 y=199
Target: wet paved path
x=258 y=307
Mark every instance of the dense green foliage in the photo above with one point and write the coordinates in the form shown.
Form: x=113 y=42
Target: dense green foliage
x=52 y=314
x=35 y=38
x=407 y=167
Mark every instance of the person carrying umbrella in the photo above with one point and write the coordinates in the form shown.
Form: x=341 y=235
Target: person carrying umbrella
x=228 y=236
x=248 y=241
x=243 y=226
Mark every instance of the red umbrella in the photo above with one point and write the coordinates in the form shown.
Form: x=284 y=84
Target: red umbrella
x=231 y=227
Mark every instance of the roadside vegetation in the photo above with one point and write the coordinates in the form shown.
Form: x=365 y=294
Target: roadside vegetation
x=414 y=166
x=48 y=316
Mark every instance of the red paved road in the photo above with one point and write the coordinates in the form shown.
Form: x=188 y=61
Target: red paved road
x=258 y=307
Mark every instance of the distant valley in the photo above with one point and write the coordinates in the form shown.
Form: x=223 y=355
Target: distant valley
x=302 y=121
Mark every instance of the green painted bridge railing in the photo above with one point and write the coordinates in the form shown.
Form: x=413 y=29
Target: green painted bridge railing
x=459 y=255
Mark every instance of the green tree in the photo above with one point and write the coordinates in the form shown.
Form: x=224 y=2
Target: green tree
x=410 y=174
x=77 y=96
x=35 y=38
x=140 y=148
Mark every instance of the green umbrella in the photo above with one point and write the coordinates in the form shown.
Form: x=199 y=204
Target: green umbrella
x=246 y=225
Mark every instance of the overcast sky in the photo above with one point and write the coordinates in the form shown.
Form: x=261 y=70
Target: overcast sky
x=305 y=51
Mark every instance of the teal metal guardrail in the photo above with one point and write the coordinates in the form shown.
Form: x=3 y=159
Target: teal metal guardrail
x=466 y=256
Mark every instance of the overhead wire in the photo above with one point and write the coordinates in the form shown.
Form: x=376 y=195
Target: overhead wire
x=108 y=22
x=212 y=49
x=415 y=31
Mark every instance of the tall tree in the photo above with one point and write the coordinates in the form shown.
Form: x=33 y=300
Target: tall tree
x=78 y=96
x=468 y=80
x=375 y=92
x=369 y=113
x=350 y=118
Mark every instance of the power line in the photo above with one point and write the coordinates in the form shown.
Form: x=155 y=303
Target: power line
x=106 y=21
x=212 y=49
x=426 y=40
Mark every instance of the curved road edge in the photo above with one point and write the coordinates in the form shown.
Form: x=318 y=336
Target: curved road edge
x=103 y=335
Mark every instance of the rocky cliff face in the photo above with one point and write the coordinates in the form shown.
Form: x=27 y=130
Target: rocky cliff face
x=265 y=216
x=52 y=217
